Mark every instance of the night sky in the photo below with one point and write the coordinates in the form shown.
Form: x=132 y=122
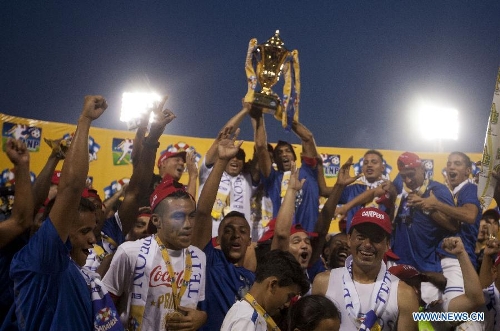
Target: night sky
x=365 y=65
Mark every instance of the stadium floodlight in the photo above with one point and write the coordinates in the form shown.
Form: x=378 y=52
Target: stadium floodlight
x=438 y=122
x=135 y=104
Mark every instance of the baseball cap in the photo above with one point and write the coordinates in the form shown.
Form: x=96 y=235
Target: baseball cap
x=409 y=160
x=90 y=193
x=404 y=271
x=374 y=216
x=269 y=234
x=166 y=154
x=163 y=190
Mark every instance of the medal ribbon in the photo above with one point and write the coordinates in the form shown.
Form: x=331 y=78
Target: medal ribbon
x=177 y=294
x=421 y=190
x=271 y=324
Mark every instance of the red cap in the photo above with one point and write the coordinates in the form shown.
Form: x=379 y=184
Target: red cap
x=90 y=193
x=56 y=176
x=163 y=190
x=390 y=255
x=374 y=216
x=404 y=271
x=269 y=234
x=166 y=154
x=409 y=160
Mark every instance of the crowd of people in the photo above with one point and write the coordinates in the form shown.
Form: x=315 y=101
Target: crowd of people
x=165 y=255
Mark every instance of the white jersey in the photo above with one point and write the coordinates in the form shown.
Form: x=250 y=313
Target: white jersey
x=335 y=292
x=239 y=198
x=243 y=317
x=123 y=272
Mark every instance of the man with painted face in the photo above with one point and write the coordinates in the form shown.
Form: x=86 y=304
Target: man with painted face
x=368 y=296
x=52 y=290
x=466 y=210
x=419 y=231
x=161 y=278
x=276 y=181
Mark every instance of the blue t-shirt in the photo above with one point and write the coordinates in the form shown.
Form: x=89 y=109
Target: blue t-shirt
x=306 y=213
x=225 y=284
x=416 y=235
x=51 y=293
x=314 y=269
x=467 y=232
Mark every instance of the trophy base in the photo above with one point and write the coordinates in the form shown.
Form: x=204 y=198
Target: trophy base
x=268 y=103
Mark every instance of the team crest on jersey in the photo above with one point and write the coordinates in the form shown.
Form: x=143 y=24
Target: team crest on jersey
x=182 y=147
x=31 y=135
x=122 y=151
x=94 y=147
x=114 y=187
x=429 y=168
x=105 y=319
x=331 y=165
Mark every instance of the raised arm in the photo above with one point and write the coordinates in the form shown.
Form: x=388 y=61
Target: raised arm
x=260 y=138
x=234 y=123
x=192 y=169
x=75 y=169
x=328 y=211
x=43 y=181
x=22 y=212
x=284 y=218
x=144 y=167
x=227 y=149
x=473 y=293
x=491 y=250
x=307 y=138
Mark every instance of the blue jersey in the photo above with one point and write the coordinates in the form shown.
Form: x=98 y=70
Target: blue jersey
x=51 y=293
x=113 y=229
x=307 y=201
x=416 y=235
x=467 y=232
x=6 y=284
x=225 y=284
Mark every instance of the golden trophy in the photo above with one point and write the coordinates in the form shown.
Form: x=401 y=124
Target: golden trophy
x=271 y=60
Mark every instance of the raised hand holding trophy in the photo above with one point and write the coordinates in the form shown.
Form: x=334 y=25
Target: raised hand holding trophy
x=272 y=59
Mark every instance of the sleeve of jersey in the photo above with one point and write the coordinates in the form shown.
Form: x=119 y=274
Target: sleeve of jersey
x=470 y=196
x=443 y=194
x=117 y=278
x=44 y=253
x=241 y=324
x=112 y=228
x=204 y=172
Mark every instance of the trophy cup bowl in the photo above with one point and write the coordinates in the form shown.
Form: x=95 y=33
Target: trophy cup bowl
x=270 y=57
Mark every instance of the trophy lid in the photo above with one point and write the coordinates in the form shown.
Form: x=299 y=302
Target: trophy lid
x=275 y=40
